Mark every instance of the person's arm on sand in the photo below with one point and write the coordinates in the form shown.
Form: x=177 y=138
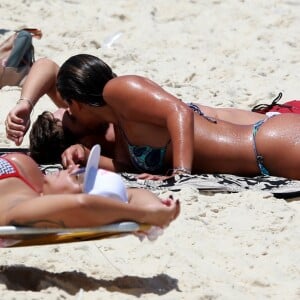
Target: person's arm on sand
x=148 y=102
x=83 y=210
x=41 y=80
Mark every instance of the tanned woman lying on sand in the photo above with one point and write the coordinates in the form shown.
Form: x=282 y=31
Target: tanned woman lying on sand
x=156 y=132
x=52 y=134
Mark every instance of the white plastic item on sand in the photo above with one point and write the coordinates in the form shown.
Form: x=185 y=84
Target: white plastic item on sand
x=110 y=40
x=152 y=234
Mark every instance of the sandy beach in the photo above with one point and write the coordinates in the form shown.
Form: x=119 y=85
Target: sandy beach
x=221 y=53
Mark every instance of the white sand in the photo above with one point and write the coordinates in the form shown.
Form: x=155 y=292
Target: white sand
x=220 y=53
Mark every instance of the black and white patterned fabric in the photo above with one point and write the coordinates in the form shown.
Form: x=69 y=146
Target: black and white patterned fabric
x=278 y=186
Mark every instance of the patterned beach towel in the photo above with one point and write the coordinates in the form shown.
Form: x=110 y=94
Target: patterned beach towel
x=280 y=187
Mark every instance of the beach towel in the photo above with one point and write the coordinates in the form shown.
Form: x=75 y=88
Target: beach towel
x=292 y=106
x=221 y=183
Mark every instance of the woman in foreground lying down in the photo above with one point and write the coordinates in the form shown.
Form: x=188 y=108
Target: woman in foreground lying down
x=61 y=199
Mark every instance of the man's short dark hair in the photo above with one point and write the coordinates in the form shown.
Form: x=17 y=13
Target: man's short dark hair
x=48 y=139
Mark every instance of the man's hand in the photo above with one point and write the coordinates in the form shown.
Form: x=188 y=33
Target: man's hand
x=74 y=155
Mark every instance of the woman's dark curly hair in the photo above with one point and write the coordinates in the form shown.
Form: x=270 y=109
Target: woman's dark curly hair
x=82 y=78
x=48 y=139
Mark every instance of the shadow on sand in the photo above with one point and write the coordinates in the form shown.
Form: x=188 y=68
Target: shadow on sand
x=23 y=278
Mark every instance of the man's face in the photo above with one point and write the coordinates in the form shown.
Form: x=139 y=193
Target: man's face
x=73 y=125
x=69 y=122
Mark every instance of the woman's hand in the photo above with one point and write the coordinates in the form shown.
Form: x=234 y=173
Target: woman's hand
x=176 y=171
x=18 y=121
x=156 y=211
x=147 y=176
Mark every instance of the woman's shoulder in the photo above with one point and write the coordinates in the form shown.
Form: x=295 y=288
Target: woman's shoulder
x=126 y=79
x=21 y=159
x=123 y=84
x=127 y=82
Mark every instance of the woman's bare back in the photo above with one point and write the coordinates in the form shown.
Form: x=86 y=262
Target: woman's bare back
x=223 y=147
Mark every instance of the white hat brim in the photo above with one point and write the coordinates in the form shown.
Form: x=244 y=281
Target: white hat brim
x=91 y=169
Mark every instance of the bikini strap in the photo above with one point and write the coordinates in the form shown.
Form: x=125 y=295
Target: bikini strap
x=197 y=110
x=263 y=108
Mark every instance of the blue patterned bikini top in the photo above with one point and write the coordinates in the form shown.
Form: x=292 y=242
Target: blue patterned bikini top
x=151 y=159
x=146 y=158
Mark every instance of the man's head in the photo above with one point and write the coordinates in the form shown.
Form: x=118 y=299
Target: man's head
x=53 y=133
x=48 y=139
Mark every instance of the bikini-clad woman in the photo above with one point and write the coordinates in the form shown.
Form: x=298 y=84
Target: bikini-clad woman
x=157 y=133
x=29 y=198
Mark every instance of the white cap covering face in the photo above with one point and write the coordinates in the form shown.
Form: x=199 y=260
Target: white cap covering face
x=101 y=182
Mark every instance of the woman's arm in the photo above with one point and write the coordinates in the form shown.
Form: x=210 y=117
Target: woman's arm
x=41 y=80
x=82 y=210
x=141 y=100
